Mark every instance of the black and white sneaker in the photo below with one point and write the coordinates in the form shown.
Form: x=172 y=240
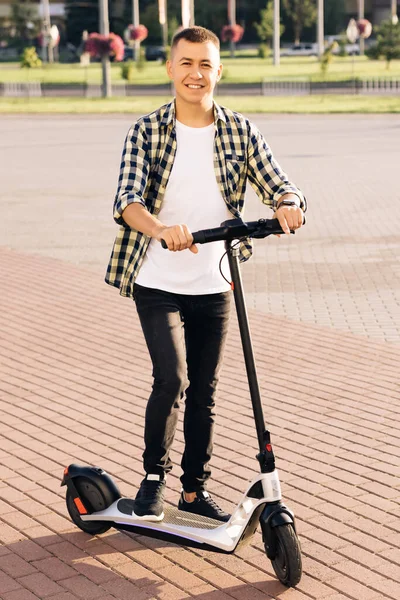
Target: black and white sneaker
x=205 y=506
x=149 y=501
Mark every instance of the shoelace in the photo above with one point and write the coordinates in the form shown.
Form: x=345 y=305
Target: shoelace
x=211 y=502
x=150 y=488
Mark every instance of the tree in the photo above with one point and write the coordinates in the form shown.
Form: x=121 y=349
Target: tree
x=387 y=42
x=334 y=16
x=327 y=56
x=149 y=18
x=173 y=26
x=265 y=28
x=25 y=21
x=302 y=13
x=81 y=15
x=30 y=59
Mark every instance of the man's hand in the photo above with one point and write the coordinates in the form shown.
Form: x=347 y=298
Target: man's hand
x=177 y=237
x=289 y=217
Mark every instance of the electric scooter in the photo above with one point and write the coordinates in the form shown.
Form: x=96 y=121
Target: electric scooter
x=95 y=504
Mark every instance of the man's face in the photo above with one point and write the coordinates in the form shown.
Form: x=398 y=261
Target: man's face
x=194 y=69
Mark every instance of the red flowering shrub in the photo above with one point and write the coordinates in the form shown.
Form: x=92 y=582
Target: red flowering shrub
x=364 y=28
x=232 y=33
x=105 y=45
x=138 y=32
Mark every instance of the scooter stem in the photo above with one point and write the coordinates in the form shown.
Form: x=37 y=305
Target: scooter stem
x=262 y=433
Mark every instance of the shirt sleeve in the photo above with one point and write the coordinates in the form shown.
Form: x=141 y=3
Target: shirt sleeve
x=265 y=175
x=134 y=172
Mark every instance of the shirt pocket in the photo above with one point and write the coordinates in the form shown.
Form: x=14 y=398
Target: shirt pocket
x=235 y=166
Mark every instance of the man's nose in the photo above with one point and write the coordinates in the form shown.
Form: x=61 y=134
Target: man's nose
x=196 y=73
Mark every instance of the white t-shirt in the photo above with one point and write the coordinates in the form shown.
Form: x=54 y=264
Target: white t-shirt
x=193 y=197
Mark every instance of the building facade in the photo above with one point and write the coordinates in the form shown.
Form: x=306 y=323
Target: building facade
x=375 y=10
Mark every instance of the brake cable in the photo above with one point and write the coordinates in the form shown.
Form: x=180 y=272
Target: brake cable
x=223 y=256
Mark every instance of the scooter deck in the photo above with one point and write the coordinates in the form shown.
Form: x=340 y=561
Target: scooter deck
x=172 y=516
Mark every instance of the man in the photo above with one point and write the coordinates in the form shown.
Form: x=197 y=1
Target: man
x=184 y=168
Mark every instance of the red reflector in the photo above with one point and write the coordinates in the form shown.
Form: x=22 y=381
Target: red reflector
x=79 y=505
x=232 y=285
x=268 y=448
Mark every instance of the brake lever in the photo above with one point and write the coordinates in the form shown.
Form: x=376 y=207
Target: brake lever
x=262 y=233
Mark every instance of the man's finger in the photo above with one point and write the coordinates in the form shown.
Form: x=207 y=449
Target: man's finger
x=290 y=222
x=282 y=221
x=188 y=236
x=168 y=240
x=301 y=218
x=182 y=238
x=176 y=242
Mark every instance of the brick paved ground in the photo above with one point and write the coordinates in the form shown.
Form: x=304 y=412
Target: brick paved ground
x=66 y=395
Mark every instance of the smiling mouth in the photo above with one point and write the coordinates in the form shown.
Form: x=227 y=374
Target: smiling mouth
x=194 y=86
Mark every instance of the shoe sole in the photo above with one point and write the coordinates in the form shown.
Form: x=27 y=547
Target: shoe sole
x=152 y=518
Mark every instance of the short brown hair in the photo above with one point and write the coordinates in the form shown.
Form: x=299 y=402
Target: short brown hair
x=196 y=35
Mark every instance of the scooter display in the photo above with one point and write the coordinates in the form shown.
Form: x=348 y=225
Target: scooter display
x=95 y=504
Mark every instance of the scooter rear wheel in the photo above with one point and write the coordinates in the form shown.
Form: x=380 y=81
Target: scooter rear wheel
x=94 y=499
x=287 y=562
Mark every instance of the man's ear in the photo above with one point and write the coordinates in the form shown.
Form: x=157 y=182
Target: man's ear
x=169 y=68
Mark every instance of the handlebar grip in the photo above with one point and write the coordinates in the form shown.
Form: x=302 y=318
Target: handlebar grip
x=199 y=237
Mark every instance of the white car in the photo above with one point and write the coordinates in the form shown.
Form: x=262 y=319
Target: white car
x=303 y=49
x=351 y=49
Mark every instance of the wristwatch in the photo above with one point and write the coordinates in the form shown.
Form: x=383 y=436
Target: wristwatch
x=285 y=203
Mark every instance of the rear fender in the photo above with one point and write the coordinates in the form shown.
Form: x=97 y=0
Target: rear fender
x=97 y=476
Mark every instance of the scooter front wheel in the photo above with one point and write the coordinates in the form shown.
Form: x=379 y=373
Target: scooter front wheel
x=92 y=496
x=287 y=561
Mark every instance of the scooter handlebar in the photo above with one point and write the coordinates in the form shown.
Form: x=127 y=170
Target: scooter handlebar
x=235 y=229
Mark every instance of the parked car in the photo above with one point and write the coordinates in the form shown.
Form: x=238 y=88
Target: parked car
x=155 y=53
x=351 y=49
x=150 y=52
x=303 y=49
x=128 y=53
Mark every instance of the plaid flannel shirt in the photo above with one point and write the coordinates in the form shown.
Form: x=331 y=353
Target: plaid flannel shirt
x=240 y=153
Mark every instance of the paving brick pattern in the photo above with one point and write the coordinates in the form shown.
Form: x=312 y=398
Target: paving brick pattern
x=71 y=390
x=341 y=272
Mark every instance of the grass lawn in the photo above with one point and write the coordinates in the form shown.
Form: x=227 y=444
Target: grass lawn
x=244 y=104
x=244 y=69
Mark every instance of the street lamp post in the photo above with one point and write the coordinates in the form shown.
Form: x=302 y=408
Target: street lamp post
x=162 y=17
x=136 y=23
x=393 y=11
x=187 y=10
x=47 y=49
x=104 y=27
x=361 y=16
x=320 y=28
x=232 y=21
x=191 y=21
x=352 y=35
x=277 y=33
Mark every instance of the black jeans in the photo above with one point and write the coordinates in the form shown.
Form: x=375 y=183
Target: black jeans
x=185 y=336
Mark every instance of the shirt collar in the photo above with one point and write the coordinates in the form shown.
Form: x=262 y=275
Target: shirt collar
x=169 y=114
